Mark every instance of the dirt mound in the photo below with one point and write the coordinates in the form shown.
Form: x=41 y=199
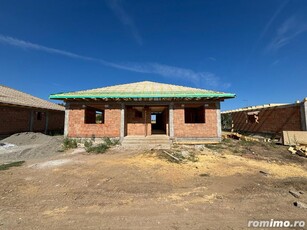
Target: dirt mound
x=30 y=145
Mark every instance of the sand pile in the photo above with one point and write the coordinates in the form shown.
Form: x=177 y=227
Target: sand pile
x=28 y=138
x=30 y=145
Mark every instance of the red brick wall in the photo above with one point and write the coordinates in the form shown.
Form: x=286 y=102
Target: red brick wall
x=135 y=125
x=39 y=125
x=17 y=119
x=77 y=127
x=201 y=130
x=56 y=120
x=272 y=120
x=14 y=120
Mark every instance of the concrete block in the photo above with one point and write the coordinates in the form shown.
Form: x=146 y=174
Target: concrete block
x=294 y=137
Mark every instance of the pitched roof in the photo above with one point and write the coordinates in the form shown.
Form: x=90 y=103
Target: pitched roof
x=11 y=96
x=256 y=107
x=144 y=89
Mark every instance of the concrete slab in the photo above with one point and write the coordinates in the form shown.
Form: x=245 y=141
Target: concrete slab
x=294 y=137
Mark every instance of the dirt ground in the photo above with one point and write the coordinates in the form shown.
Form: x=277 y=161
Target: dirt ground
x=126 y=189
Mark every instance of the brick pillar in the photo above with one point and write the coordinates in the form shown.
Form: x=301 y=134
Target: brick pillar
x=218 y=119
x=171 y=120
x=66 y=124
x=122 y=121
x=304 y=115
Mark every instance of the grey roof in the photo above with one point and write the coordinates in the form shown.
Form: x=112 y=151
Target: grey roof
x=11 y=96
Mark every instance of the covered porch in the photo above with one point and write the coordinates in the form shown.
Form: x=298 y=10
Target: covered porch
x=147 y=120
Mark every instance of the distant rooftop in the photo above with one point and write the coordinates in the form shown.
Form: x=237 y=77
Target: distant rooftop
x=144 y=89
x=265 y=106
x=9 y=96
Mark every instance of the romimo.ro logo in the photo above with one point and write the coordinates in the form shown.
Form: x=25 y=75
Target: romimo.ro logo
x=276 y=223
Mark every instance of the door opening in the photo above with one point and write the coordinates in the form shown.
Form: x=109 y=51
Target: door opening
x=158 y=122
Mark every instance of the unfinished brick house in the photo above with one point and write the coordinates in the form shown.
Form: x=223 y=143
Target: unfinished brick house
x=144 y=109
x=267 y=119
x=21 y=112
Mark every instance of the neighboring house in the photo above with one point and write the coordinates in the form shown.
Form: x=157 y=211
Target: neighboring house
x=267 y=119
x=21 y=112
x=143 y=109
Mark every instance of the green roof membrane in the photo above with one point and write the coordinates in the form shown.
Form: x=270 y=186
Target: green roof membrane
x=144 y=89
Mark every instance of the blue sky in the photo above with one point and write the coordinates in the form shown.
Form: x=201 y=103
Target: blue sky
x=256 y=48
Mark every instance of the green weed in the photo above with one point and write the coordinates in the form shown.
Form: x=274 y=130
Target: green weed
x=9 y=165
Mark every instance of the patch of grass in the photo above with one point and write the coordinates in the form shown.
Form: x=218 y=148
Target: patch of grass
x=69 y=143
x=214 y=146
x=246 y=143
x=226 y=140
x=236 y=151
x=268 y=145
x=101 y=148
x=9 y=165
x=204 y=174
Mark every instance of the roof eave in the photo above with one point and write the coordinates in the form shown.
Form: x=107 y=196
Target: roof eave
x=65 y=97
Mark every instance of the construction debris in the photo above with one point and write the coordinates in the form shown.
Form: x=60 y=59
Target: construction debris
x=300 y=150
x=294 y=137
x=295 y=193
x=264 y=173
x=300 y=204
x=173 y=157
x=238 y=136
x=6 y=145
x=181 y=156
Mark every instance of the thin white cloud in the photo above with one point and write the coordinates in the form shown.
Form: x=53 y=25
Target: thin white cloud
x=28 y=45
x=272 y=19
x=275 y=62
x=289 y=30
x=211 y=58
x=200 y=79
x=268 y=26
x=117 y=7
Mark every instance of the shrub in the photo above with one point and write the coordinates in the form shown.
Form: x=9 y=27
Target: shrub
x=101 y=148
x=69 y=143
x=108 y=141
x=88 y=144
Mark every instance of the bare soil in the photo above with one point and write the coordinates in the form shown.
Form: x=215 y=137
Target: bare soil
x=126 y=189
